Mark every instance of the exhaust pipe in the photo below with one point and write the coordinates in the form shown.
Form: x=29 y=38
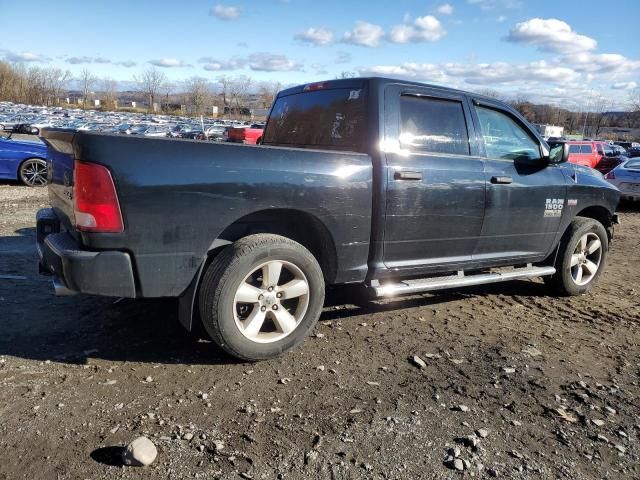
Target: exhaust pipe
x=60 y=289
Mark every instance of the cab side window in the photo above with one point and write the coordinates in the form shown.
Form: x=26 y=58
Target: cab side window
x=504 y=138
x=433 y=125
x=574 y=148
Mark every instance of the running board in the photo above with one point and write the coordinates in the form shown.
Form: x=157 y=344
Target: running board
x=460 y=280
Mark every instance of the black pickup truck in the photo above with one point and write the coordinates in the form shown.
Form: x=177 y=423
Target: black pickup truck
x=398 y=186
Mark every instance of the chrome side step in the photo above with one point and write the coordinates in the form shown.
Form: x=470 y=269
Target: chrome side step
x=460 y=280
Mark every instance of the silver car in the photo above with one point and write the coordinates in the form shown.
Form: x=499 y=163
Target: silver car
x=626 y=177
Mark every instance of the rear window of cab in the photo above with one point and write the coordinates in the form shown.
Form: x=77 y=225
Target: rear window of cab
x=327 y=119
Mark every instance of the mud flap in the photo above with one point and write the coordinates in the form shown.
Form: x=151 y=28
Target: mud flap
x=186 y=302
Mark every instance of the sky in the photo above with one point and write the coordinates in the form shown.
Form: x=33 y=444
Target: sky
x=568 y=52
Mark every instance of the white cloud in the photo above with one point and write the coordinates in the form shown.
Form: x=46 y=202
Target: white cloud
x=316 y=36
x=215 y=65
x=551 y=35
x=126 y=63
x=601 y=63
x=488 y=5
x=225 y=12
x=364 y=34
x=79 y=60
x=624 y=86
x=444 y=9
x=25 y=57
x=501 y=19
x=486 y=74
x=423 y=29
x=270 y=62
x=168 y=63
x=259 y=62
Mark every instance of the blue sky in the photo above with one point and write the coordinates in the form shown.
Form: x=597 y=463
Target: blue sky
x=565 y=52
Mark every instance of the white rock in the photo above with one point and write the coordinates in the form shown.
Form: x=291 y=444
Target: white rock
x=417 y=361
x=139 y=453
x=508 y=370
x=482 y=432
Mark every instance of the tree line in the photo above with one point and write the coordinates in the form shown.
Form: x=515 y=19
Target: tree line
x=50 y=85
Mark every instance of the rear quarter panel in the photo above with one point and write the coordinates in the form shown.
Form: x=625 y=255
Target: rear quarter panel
x=177 y=196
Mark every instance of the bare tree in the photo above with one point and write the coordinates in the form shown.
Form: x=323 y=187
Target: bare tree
x=166 y=89
x=268 y=92
x=235 y=91
x=150 y=82
x=87 y=80
x=601 y=109
x=109 y=91
x=198 y=95
x=634 y=100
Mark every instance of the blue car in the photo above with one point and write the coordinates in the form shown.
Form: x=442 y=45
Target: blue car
x=24 y=161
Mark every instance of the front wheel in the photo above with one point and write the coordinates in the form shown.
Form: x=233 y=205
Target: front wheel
x=33 y=172
x=581 y=258
x=261 y=296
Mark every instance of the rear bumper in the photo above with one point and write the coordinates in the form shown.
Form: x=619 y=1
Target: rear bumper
x=75 y=270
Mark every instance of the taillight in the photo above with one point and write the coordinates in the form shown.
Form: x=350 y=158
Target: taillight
x=96 y=204
x=610 y=175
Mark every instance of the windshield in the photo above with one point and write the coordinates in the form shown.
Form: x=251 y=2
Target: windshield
x=333 y=118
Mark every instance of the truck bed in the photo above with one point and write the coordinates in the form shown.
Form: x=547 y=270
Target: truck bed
x=178 y=197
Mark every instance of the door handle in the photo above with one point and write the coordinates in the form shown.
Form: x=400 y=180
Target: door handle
x=407 y=175
x=501 y=180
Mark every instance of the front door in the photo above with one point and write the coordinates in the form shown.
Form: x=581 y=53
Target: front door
x=525 y=195
x=435 y=181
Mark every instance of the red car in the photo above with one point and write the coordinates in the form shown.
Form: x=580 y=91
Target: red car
x=594 y=154
x=249 y=135
x=585 y=153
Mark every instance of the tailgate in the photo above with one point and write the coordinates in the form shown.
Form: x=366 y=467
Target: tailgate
x=60 y=156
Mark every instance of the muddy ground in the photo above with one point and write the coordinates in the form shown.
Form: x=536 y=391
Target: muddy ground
x=552 y=381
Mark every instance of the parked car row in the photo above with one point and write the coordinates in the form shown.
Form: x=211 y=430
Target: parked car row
x=29 y=119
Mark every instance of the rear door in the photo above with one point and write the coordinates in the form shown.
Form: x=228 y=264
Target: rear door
x=435 y=181
x=525 y=195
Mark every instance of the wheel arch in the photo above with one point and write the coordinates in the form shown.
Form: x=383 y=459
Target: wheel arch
x=298 y=225
x=600 y=214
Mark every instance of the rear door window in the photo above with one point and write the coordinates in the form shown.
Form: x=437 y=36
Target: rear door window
x=586 y=149
x=332 y=118
x=433 y=125
x=574 y=148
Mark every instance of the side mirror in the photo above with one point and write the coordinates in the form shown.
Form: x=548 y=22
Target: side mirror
x=559 y=153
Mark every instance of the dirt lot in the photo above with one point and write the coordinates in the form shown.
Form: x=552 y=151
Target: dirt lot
x=553 y=382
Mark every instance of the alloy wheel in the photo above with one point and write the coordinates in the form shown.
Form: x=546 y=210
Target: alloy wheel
x=586 y=258
x=271 y=301
x=34 y=172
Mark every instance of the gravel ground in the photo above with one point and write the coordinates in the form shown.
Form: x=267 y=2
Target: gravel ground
x=513 y=383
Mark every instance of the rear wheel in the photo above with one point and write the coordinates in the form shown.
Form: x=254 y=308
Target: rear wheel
x=581 y=258
x=33 y=172
x=261 y=296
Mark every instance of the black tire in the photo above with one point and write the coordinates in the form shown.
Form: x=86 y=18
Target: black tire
x=230 y=268
x=563 y=282
x=33 y=172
